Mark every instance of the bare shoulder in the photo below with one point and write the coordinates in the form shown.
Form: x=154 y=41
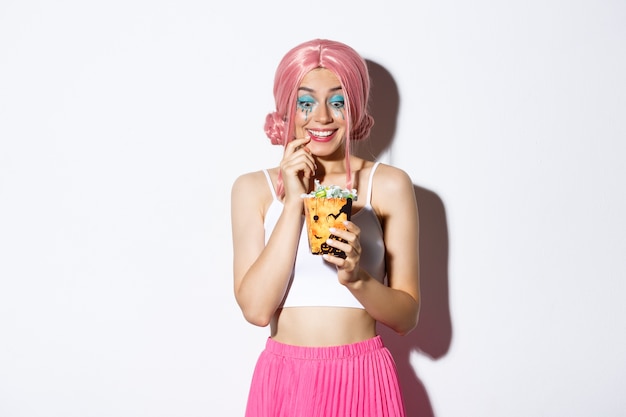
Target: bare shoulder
x=252 y=187
x=390 y=180
x=392 y=188
x=250 y=183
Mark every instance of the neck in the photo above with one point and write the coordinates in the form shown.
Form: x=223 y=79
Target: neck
x=326 y=166
x=331 y=166
x=334 y=163
x=333 y=172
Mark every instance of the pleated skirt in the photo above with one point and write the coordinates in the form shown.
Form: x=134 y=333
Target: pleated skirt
x=355 y=380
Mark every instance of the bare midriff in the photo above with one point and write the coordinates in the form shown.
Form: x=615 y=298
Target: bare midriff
x=322 y=326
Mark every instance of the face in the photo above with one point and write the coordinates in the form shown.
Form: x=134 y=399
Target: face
x=320 y=112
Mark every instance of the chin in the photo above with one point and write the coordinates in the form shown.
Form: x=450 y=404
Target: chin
x=325 y=152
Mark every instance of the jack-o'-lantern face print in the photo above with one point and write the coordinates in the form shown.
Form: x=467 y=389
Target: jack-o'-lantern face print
x=321 y=215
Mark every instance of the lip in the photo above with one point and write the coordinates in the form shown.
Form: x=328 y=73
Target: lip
x=316 y=138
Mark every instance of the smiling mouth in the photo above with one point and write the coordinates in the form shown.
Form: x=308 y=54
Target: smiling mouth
x=322 y=135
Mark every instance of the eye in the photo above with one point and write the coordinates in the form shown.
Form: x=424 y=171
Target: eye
x=306 y=102
x=337 y=102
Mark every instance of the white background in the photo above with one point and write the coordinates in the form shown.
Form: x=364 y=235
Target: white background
x=124 y=123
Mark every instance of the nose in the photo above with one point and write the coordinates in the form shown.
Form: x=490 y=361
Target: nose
x=324 y=114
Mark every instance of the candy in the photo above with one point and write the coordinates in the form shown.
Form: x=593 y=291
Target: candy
x=330 y=191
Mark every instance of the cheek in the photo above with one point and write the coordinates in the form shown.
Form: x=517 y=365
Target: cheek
x=302 y=116
x=339 y=114
x=303 y=113
x=299 y=123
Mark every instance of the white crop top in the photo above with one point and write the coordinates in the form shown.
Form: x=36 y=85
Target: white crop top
x=314 y=281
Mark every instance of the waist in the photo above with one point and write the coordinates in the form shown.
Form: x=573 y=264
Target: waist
x=324 y=352
x=322 y=326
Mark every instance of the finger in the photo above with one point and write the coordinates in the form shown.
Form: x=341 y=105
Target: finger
x=351 y=227
x=294 y=156
x=352 y=236
x=297 y=144
x=335 y=260
x=303 y=163
x=344 y=241
x=346 y=247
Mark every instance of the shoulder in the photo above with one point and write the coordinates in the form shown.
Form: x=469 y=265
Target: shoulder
x=392 y=188
x=390 y=180
x=251 y=185
x=248 y=180
x=253 y=180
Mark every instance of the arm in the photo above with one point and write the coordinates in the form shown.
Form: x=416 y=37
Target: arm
x=396 y=306
x=262 y=272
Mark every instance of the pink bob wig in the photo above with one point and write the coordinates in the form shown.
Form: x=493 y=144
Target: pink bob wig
x=351 y=70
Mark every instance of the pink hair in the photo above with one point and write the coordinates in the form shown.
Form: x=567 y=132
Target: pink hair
x=351 y=70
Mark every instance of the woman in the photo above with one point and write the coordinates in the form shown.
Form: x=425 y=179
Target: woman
x=323 y=356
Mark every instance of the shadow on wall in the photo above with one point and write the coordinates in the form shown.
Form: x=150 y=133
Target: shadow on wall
x=433 y=333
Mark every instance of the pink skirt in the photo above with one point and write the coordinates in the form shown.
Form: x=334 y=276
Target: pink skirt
x=356 y=380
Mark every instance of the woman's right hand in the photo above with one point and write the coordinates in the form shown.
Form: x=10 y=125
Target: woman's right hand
x=297 y=168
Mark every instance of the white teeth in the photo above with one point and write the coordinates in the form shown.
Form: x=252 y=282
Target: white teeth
x=320 y=134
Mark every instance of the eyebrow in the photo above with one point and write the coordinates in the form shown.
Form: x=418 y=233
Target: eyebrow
x=310 y=90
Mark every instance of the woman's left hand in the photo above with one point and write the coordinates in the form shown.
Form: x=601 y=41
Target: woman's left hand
x=348 y=267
